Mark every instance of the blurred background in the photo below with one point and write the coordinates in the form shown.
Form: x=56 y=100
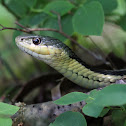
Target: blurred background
x=15 y=67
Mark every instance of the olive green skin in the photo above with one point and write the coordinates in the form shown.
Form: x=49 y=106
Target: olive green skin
x=60 y=57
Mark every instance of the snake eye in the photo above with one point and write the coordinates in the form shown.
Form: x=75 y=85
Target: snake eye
x=36 y=41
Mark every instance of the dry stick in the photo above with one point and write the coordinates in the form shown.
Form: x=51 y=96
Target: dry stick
x=10 y=28
x=17 y=23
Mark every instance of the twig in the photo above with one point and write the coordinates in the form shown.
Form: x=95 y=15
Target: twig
x=59 y=20
x=17 y=29
x=17 y=23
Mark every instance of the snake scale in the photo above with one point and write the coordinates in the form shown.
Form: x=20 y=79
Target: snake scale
x=59 y=56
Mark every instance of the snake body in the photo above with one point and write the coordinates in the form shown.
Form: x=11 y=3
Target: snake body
x=62 y=58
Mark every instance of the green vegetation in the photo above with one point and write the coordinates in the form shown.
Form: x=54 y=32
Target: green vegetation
x=99 y=103
x=93 y=24
x=6 y=111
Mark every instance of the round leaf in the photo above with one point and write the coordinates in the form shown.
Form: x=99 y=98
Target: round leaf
x=60 y=7
x=89 y=19
x=108 y=5
x=113 y=95
x=70 y=119
x=92 y=110
x=66 y=23
x=5 y=122
x=6 y=109
x=71 y=98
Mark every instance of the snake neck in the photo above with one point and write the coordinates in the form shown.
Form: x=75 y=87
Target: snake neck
x=77 y=72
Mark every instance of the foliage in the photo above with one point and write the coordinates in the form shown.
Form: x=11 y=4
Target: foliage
x=97 y=100
x=70 y=119
x=83 y=18
x=6 y=111
x=47 y=17
x=71 y=98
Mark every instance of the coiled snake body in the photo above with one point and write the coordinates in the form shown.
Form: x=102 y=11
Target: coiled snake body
x=59 y=56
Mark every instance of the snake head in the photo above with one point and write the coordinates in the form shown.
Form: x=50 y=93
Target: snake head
x=42 y=47
x=32 y=44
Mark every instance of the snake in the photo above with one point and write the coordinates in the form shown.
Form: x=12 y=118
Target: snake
x=59 y=56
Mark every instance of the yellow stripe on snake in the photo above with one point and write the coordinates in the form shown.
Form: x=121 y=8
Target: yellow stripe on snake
x=60 y=57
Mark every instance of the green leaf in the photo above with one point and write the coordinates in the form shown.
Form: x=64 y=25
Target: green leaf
x=60 y=7
x=108 y=5
x=66 y=23
x=30 y=3
x=71 y=98
x=92 y=110
x=32 y=20
x=70 y=119
x=5 y=122
x=104 y=112
x=50 y=124
x=37 y=19
x=89 y=19
x=7 y=109
x=17 y=7
x=91 y=96
x=121 y=9
x=113 y=95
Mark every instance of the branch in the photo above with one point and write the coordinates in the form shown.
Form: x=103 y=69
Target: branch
x=10 y=28
x=44 y=113
x=59 y=19
x=17 y=23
